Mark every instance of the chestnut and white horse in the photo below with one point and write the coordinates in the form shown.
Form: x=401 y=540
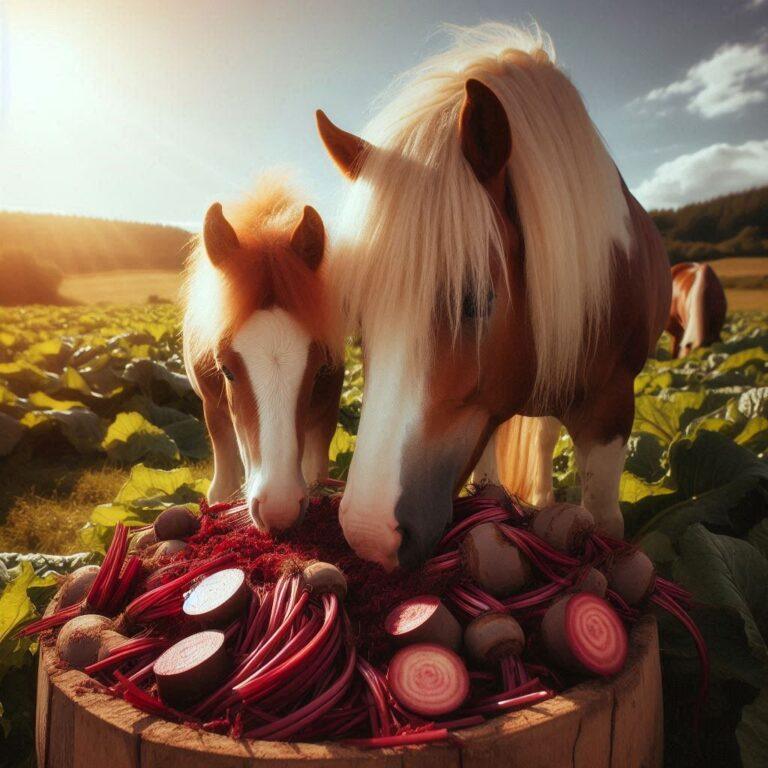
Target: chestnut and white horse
x=261 y=349
x=496 y=266
x=698 y=308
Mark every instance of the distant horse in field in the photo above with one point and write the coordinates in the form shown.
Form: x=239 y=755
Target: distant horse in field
x=698 y=308
x=496 y=266
x=262 y=351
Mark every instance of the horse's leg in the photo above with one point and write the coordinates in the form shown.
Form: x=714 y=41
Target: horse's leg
x=600 y=428
x=523 y=447
x=227 y=465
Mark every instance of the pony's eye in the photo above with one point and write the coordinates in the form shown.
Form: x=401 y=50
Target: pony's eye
x=470 y=310
x=227 y=373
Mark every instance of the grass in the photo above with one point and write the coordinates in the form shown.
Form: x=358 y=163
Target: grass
x=44 y=503
x=745 y=279
x=129 y=286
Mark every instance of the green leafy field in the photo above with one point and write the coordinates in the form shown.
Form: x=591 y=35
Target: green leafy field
x=98 y=424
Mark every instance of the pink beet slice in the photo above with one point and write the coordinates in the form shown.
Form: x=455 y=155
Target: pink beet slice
x=428 y=679
x=192 y=668
x=218 y=598
x=583 y=633
x=423 y=619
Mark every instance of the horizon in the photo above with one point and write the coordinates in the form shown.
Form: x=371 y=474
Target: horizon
x=191 y=101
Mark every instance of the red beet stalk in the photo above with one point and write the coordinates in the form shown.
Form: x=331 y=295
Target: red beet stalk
x=103 y=588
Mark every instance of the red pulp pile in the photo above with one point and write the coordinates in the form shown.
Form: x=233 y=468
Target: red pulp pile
x=211 y=622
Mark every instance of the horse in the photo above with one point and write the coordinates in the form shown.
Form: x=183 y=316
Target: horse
x=497 y=268
x=698 y=307
x=262 y=351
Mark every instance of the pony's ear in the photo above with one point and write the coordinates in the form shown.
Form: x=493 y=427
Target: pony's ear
x=308 y=239
x=346 y=149
x=219 y=237
x=486 y=139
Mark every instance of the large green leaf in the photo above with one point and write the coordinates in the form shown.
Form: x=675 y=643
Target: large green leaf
x=82 y=428
x=11 y=432
x=131 y=438
x=729 y=578
x=667 y=413
x=752 y=732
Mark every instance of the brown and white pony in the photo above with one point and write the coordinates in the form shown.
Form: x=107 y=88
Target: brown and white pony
x=496 y=266
x=262 y=351
x=698 y=308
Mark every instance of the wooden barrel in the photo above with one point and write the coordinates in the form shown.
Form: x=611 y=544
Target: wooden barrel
x=614 y=723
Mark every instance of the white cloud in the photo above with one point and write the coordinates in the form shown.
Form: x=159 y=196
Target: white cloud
x=709 y=172
x=735 y=76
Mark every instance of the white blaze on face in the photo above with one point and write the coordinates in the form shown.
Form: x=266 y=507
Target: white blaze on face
x=694 y=306
x=274 y=348
x=392 y=410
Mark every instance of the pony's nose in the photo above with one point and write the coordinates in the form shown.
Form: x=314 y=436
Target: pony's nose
x=373 y=537
x=278 y=513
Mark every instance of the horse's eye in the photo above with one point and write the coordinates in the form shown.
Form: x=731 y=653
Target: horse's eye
x=470 y=310
x=227 y=373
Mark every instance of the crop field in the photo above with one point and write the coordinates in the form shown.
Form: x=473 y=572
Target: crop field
x=98 y=424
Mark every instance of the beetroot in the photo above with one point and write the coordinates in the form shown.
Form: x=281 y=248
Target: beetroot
x=423 y=619
x=324 y=578
x=192 y=668
x=428 y=679
x=492 y=636
x=79 y=639
x=584 y=634
x=142 y=539
x=170 y=547
x=176 y=523
x=563 y=526
x=218 y=598
x=592 y=580
x=110 y=641
x=632 y=576
x=493 y=562
x=77 y=585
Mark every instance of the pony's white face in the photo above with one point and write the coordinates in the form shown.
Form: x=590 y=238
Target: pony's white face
x=426 y=418
x=281 y=392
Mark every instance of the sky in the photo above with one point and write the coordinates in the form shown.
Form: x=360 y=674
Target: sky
x=151 y=109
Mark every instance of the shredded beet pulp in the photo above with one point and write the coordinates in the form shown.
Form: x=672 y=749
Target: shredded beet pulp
x=308 y=659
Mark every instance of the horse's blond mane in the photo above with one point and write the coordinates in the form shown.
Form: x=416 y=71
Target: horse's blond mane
x=218 y=300
x=417 y=232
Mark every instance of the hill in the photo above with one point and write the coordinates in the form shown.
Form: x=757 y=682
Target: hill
x=731 y=225
x=78 y=244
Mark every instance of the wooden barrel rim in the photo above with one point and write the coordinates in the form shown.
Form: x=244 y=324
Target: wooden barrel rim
x=591 y=719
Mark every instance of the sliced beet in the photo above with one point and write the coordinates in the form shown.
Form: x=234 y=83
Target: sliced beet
x=142 y=539
x=493 y=561
x=218 y=598
x=632 y=576
x=192 y=668
x=323 y=577
x=492 y=636
x=428 y=679
x=593 y=581
x=110 y=641
x=176 y=523
x=79 y=639
x=584 y=634
x=423 y=619
x=564 y=526
x=170 y=547
x=77 y=585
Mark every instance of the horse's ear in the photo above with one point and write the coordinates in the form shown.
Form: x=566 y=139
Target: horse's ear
x=486 y=139
x=308 y=239
x=346 y=149
x=219 y=237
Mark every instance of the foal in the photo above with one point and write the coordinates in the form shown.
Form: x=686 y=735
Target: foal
x=262 y=351
x=698 y=308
